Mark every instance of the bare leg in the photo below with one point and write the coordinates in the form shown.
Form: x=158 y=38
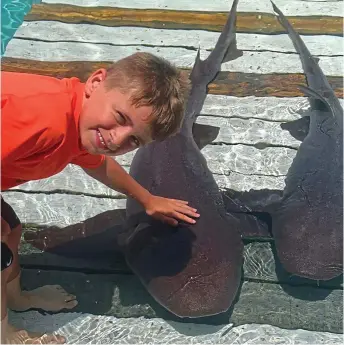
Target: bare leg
x=12 y=335
x=48 y=297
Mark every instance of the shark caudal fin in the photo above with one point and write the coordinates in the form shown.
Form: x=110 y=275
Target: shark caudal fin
x=204 y=72
x=318 y=85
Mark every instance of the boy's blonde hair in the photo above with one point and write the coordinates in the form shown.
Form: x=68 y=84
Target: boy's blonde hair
x=154 y=82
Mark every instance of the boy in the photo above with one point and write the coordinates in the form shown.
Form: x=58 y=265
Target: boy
x=48 y=123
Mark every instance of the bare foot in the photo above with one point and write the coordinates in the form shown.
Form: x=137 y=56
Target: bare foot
x=47 y=297
x=20 y=336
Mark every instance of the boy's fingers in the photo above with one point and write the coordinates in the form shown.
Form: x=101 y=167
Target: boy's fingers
x=183 y=217
x=189 y=208
x=189 y=212
x=184 y=205
x=180 y=201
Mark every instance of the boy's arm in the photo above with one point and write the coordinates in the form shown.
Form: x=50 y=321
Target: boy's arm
x=167 y=210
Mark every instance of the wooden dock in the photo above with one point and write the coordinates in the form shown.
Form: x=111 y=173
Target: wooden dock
x=71 y=222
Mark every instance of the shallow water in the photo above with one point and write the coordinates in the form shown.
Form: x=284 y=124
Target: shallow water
x=12 y=15
x=91 y=329
x=245 y=160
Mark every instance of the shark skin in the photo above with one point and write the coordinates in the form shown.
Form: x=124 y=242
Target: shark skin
x=191 y=270
x=307 y=223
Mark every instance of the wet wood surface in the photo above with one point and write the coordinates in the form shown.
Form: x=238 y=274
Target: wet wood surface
x=226 y=83
x=192 y=20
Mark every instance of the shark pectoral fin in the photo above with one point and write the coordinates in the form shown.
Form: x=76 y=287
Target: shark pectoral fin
x=254 y=210
x=204 y=134
x=251 y=224
x=254 y=226
x=314 y=94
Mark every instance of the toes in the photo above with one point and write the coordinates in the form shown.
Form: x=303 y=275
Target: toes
x=71 y=304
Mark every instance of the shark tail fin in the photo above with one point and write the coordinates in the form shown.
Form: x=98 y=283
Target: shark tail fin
x=295 y=37
x=205 y=71
x=226 y=47
x=309 y=62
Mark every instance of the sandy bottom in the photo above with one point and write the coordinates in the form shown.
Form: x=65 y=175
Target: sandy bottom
x=91 y=329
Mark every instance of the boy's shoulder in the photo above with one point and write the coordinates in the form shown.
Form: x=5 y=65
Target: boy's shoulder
x=48 y=104
x=27 y=84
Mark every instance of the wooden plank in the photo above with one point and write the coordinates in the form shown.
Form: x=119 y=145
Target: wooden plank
x=249 y=62
x=58 y=209
x=289 y=7
x=89 y=187
x=271 y=108
x=237 y=163
x=249 y=132
x=319 y=45
x=72 y=180
x=239 y=182
x=242 y=159
x=226 y=83
x=123 y=296
x=188 y=20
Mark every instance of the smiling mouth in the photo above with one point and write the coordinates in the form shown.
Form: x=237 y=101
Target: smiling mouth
x=102 y=141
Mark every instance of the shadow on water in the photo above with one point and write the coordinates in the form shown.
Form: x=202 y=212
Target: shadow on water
x=156 y=249
x=94 y=238
x=298 y=128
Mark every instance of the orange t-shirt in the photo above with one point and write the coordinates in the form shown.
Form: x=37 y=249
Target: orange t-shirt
x=39 y=127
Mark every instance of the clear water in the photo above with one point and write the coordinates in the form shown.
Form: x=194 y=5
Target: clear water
x=12 y=16
x=86 y=328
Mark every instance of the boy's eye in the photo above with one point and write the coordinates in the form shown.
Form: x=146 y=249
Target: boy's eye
x=135 y=141
x=121 y=119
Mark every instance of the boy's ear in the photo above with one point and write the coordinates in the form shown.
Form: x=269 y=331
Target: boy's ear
x=94 y=80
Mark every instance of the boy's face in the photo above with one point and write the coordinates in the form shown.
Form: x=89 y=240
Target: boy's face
x=109 y=123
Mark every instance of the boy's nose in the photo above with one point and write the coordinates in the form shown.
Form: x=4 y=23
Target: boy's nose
x=119 y=136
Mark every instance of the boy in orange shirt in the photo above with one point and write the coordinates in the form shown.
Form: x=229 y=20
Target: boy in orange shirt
x=48 y=123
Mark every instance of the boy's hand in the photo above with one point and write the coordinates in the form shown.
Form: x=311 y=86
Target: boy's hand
x=167 y=210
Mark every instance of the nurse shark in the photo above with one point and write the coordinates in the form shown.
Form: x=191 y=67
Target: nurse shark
x=307 y=223
x=191 y=270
